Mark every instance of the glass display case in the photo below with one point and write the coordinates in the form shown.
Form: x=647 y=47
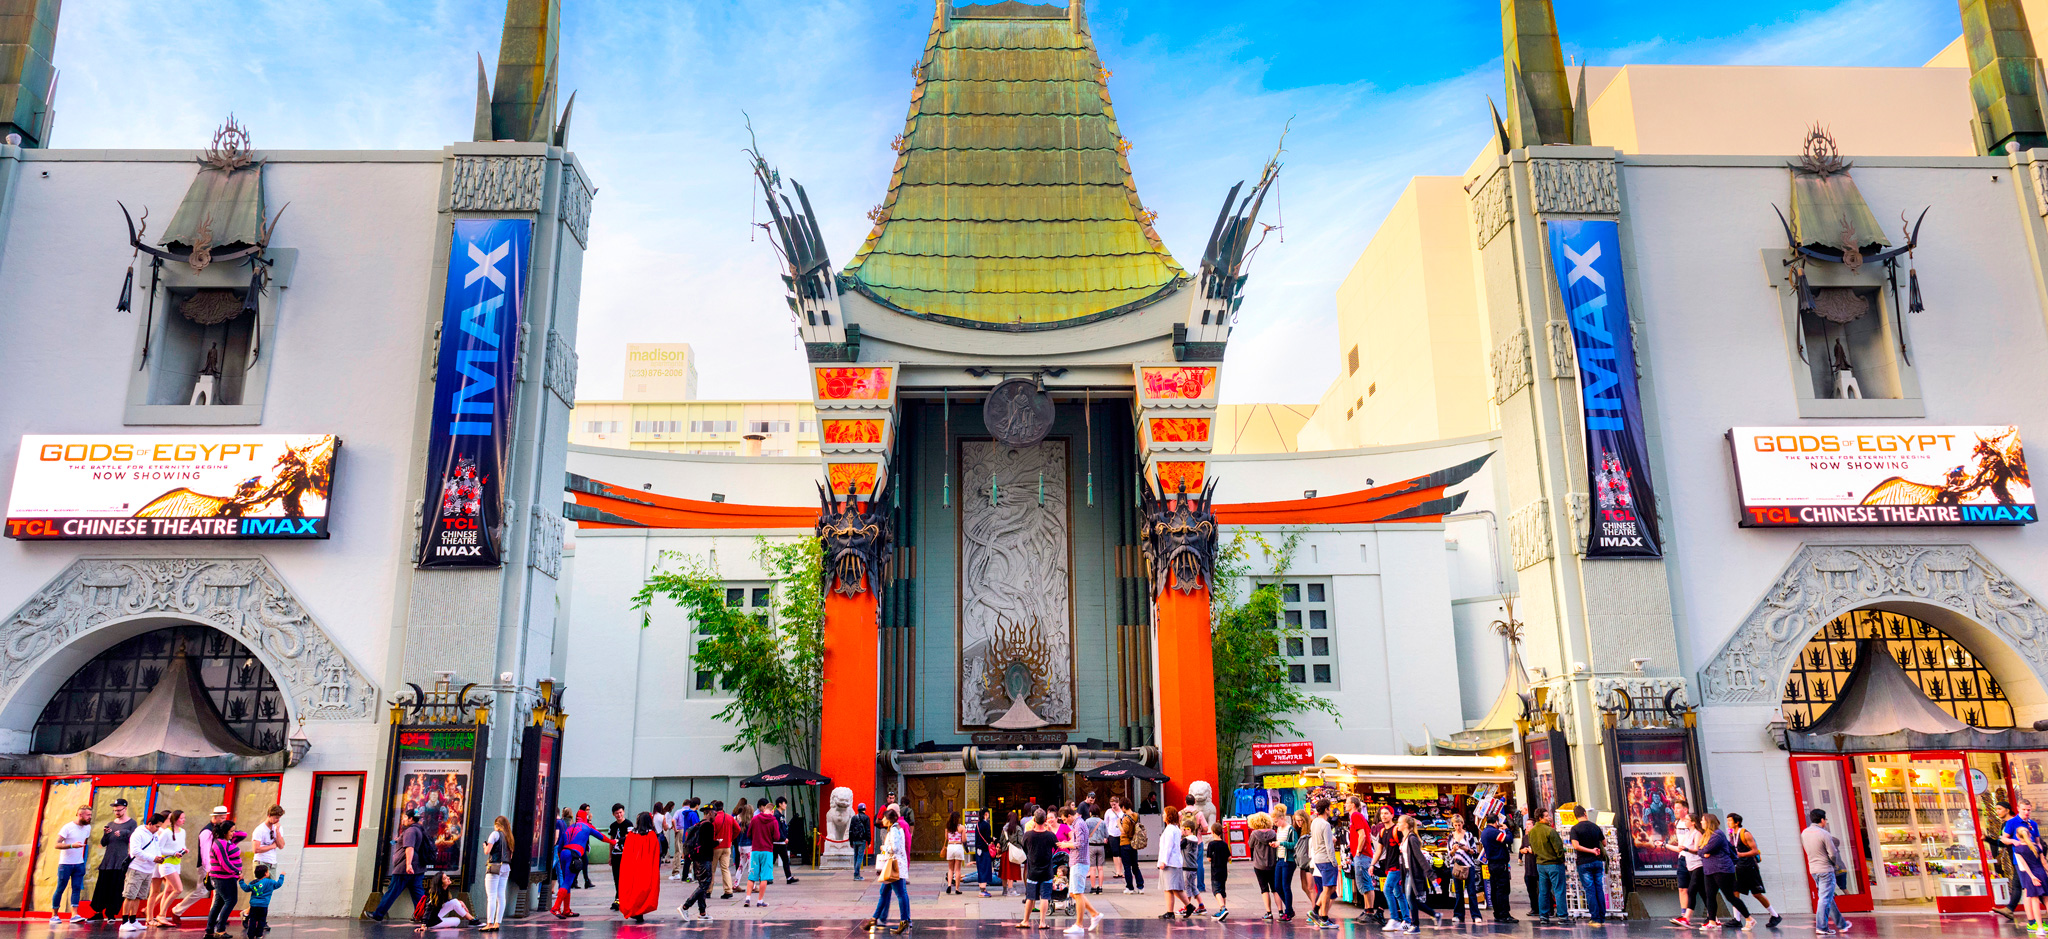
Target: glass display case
x=1924 y=828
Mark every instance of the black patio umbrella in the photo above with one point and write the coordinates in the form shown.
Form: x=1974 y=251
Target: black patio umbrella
x=788 y=774
x=1124 y=769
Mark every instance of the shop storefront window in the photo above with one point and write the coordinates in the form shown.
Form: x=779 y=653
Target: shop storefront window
x=1947 y=672
x=1925 y=827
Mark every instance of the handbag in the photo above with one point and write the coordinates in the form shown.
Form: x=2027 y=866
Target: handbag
x=891 y=870
x=1841 y=881
x=494 y=868
x=1016 y=854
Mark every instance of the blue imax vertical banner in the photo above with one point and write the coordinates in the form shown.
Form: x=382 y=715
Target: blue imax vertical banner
x=1586 y=254
x=473 y=385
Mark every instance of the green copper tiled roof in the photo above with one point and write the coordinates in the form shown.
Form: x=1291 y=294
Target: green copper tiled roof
x=1011 y=205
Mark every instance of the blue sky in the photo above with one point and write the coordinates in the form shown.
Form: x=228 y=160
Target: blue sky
x=1377 y=92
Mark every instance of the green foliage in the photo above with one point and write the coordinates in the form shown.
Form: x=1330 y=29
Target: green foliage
x=773 y=665
x=1254 y=700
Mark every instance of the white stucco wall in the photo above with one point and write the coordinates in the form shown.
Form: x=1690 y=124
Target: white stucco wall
x=1716 y=353
x=346 y=358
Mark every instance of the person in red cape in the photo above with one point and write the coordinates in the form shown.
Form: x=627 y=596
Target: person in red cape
x=640 y=871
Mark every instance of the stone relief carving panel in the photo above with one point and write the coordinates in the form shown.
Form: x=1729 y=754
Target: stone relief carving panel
x=2041 y=187
x=1491 y=207
x=1824 y=581
x=575 y=209
x=545 y=553
x=1016 y=626
x=1578 y=505
x=243 y=597
x=1575 y=187
x=1564 y=356
x=498 y=184
x=560 y=368
x=1529 y=534
x=1510 y=366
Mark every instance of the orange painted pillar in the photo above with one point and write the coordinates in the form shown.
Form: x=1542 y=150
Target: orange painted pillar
x=851 y=725
x=1187 y=692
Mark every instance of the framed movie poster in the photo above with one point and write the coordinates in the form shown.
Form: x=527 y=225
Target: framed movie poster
x=1658 y=796
x=436 y=769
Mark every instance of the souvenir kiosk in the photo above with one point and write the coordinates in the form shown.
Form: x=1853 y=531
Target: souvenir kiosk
x=1431 y=788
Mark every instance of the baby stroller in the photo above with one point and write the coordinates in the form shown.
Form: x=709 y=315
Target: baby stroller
x=1062 y=897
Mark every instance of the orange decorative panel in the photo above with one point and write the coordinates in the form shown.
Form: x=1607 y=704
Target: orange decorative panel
x=853 y=383
x=1172 y=473
x=861 y=476
x=1180 y=429
x=860 y=431
x=1187 y=383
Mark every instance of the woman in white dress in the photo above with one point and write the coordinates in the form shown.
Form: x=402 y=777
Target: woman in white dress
x=168 y=884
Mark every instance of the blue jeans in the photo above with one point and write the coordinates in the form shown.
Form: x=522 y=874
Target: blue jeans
x=406 y=882
x=860 y=857
x=983 y=868
x=899 y=889
x=1593 y=878
x=1283 y=884
x=1827 y=914
x=1198 y=877
x=1550 y=890
x=1399 y=908
x=74 y=874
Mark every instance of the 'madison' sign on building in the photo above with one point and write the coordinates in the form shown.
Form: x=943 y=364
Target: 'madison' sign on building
x=171 y=487
x=1791 y=477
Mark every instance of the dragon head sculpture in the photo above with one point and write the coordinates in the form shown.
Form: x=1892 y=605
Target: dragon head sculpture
x=859 y=542
x=1178 y=534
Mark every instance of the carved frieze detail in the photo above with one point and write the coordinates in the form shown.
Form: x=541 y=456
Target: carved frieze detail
x=1563 y=352
x=1529 y=534
x=544 y=551
x=1824 y=581
x=1510 y=366
x=560 y=368
x=498 y=184
x=1016 y=630
x=242 y=597
x=1491 y=207
x=1575 y=187
x=575 y=209
x=1578 y=505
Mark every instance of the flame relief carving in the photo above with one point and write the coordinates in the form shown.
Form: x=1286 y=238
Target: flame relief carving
x=1016 y=618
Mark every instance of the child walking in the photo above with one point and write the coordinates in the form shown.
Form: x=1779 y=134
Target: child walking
x=257 y=921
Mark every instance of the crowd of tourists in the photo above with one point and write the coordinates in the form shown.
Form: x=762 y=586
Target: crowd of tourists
x=141 y=877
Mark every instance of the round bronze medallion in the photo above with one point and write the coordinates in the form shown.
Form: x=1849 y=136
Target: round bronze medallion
x=1018 y=412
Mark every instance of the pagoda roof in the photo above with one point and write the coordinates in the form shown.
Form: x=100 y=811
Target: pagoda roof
x=1011 y=205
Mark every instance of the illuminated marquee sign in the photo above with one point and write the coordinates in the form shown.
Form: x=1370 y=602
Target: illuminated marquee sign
x=1800 y=477
x=171 y=487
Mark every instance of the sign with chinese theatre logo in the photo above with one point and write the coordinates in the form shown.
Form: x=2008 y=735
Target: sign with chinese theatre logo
x=1799 y=477
x=1291 y=753
x=1586 y=256
x=473 y=385
x=171 y=487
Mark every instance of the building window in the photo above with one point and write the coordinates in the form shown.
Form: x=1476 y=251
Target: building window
x=1946 y=672
x=806 y=427
x=754 y=599
x=1353 y=359
x=1304 y=631
x=600 y=427
x=99 y=696
x=714 y=427
x=201 y=357
x=767 y=427
x=658 y=427
x=1849 y=354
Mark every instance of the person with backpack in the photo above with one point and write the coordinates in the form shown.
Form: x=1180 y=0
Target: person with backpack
x=1130 y=838
x=1749 y=876
x=860 y=832
x=1498 y=845
x=700 y=850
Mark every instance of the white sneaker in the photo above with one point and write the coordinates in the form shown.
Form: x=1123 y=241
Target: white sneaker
x=77 y=918
x=1074 y=929
x=703 y=917
x=56 y=919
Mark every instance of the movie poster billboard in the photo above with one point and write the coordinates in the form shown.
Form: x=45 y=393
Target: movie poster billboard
x=434 y=778
x=150 y=487
x=1586 y=256
x=481 y=309
x=1869 y=475
x=1658 y=798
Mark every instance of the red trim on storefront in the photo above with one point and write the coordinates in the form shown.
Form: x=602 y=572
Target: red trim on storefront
x=313 y=806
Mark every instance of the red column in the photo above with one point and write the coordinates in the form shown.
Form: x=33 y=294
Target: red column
x=850 y=726
x=1187 y=692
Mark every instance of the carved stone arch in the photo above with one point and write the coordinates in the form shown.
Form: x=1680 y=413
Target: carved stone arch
x=97 y=602
x=1951 y=586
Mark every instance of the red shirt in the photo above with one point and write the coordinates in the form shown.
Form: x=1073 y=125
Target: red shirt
x=764 y=831
x=724 y=829
x=1361 y=829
